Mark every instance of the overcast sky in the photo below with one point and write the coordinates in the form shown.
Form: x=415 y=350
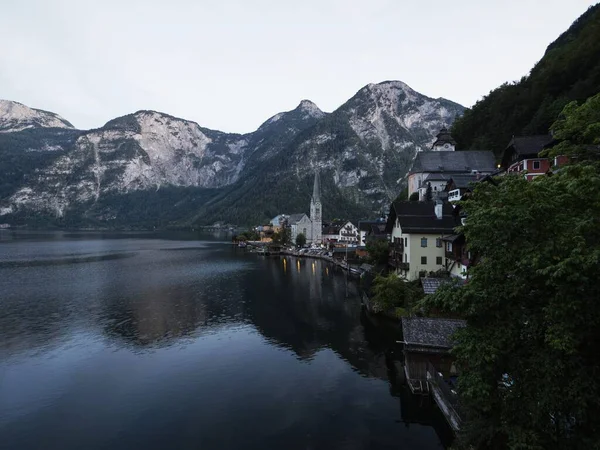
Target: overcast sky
x=231 y=64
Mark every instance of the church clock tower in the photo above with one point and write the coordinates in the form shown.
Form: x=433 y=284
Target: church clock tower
x=316 y=211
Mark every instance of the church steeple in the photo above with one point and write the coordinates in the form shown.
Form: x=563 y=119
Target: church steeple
x=444 y=141
x=316 y=211
x=316 y=197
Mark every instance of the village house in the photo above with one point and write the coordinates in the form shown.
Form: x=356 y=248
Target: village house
x=278 y=222
x=365 y=228
x=341 y=232
x=459 y=185
x=435 y=168
x=457 y=257
x=521 y=156
x=417 y=230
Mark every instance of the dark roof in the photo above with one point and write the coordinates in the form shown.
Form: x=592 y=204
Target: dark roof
x=419 y=217
x=377 y=229
x=529 y=145
x=463 y=181
x=443 y=137
x=437 y=177
x=332 y=229
x=365 y=225
x=430 y=285
x=295 y=218
x=430 y=332
x=523 y=146
x=461 y=162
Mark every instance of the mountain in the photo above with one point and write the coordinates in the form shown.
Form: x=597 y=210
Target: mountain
x=16 y=117
x=363 y=151
x=152 y=169
x=569 y=70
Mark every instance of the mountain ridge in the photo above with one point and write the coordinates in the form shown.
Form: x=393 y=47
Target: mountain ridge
x=364 y=149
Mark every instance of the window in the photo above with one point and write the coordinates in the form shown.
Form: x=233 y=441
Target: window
x=405 y=257
x=423 y=242
x=536 y=165
x=406 y=242
x=438 y=260
x=424 y=260
x=449 y=246
x=438 y=242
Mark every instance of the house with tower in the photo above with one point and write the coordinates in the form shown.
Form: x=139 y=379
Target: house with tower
x=442 y=162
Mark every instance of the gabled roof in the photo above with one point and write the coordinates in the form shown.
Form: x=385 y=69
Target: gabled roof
x=525 y=146
x=429 y=332
x=430 y=285
x=419 y=217
x=377 y=229
x=463 y=181
x=295 y=218
x=463 y=161
x=437 y=177
x=529 y=145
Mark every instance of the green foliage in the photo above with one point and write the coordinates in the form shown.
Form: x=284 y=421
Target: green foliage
x=378 y=250
x=578 y=129
x=248 y=235
x=569 y=70
x=530 y=351
x=428 y=193
x=395 y=296
x=300 y=240
x=414 y=197
x=283 y=236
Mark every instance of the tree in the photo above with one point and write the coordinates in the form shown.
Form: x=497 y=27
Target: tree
x=393 y=295
x=378 y=250
x=530 y=350
x=531 y=345
x=578 y=130
x=414 y=197
x=428 y=193
x=282 y=237
x=300 y=240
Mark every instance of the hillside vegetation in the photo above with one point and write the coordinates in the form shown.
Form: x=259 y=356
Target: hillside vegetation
x=569 y=70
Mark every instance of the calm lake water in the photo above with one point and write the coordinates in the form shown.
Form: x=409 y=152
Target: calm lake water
x=180 y=341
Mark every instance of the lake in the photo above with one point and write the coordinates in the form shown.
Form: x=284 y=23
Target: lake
x=182 y=341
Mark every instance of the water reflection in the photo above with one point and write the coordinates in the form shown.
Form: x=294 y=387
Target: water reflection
x=197 y=329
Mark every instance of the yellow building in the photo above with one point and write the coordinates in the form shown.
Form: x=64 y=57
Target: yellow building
x=417 y=231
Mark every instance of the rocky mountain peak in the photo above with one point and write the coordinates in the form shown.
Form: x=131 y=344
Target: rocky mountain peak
x=15 y=116
x=310 y=108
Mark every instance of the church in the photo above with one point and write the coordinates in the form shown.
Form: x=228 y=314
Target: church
x=442 y=162
x=311 y=226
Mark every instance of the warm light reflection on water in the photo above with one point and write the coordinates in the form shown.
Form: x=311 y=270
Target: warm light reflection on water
x=182 y=342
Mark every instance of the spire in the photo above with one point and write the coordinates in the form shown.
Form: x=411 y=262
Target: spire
x=316 y=197
x=443 y=137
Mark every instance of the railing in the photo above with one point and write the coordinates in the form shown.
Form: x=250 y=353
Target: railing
x=399 y=264
x=448 y=395
x=454 y=195
x=450 y=255
x=397 y=244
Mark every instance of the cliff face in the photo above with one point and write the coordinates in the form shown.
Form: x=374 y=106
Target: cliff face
x=363 y=151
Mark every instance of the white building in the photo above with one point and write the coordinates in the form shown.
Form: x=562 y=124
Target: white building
x=417 y=231
x=436 y=167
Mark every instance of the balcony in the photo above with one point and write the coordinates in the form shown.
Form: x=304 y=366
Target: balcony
x=399 y=264
x=454 y=195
